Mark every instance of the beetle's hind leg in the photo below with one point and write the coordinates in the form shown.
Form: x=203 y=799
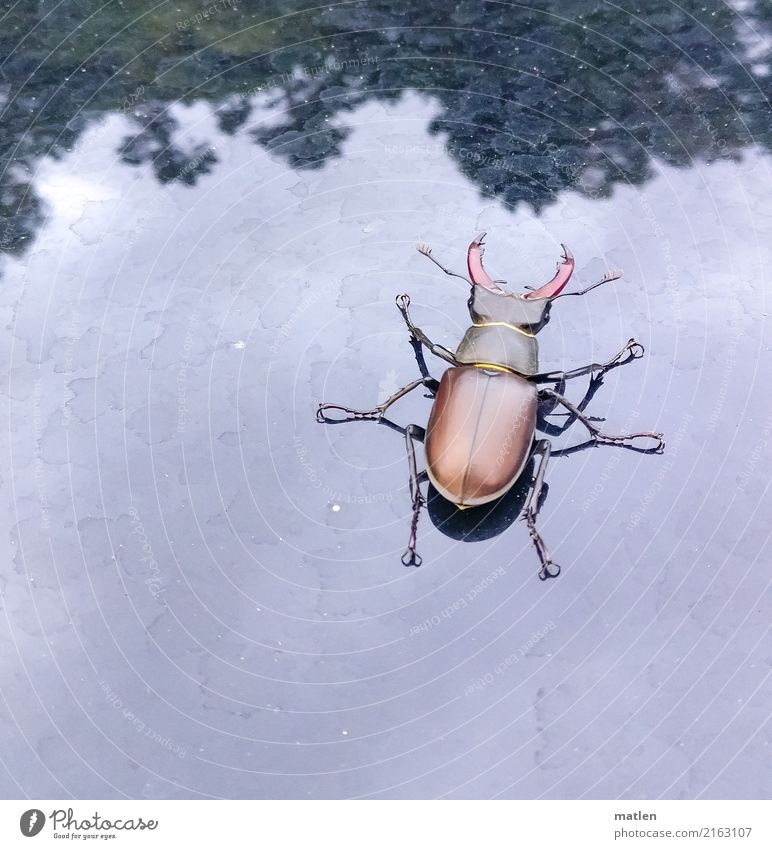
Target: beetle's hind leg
x=549 y=569
x=377 y=413
x=606 y=438
x=411 y=556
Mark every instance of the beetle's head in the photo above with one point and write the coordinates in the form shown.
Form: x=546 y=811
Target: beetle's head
x=488 y=302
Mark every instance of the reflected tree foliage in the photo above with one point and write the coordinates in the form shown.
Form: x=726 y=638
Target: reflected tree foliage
x=533 y=98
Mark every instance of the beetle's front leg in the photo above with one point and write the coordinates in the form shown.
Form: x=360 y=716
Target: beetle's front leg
x=633 y=350
x=377 y=413
x=606 y=438
x=403 y=302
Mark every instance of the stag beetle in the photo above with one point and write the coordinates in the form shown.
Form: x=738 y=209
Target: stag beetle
x=482 y=427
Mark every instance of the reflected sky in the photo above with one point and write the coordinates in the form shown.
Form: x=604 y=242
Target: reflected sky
x=204 y=595
x=533 y=98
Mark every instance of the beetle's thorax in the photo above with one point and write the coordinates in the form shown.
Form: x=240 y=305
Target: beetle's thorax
x=503 y=331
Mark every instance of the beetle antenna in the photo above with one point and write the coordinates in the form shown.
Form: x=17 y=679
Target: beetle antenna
x=427 y=252
x=608 y=277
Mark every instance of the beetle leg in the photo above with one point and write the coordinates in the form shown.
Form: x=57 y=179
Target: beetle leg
x=606 y=438
x=403 y=302
x=633 y=350
x=549 y=569
x=376 y=414
x=427 y=252
x=418 y=351
x=552 y=429
x=411 y=557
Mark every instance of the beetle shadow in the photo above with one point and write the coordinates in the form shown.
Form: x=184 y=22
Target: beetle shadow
x=474 y=524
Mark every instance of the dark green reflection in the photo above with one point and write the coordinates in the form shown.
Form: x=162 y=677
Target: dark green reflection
x=535 y=98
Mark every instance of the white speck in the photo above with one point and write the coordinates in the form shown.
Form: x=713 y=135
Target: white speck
x=336 y=508
x=344 y=733
x=240 y=345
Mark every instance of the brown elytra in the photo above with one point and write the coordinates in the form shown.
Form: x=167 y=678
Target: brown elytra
x=480 y=433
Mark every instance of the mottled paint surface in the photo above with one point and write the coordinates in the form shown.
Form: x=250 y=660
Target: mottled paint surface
x=202 y=594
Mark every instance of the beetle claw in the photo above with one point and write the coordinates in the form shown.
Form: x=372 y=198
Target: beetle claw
x=636 y=349
x=403 y=301
x=411 y=558
x=549 y=570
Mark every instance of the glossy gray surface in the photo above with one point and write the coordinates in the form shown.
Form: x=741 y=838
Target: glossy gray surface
x=203 y=594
